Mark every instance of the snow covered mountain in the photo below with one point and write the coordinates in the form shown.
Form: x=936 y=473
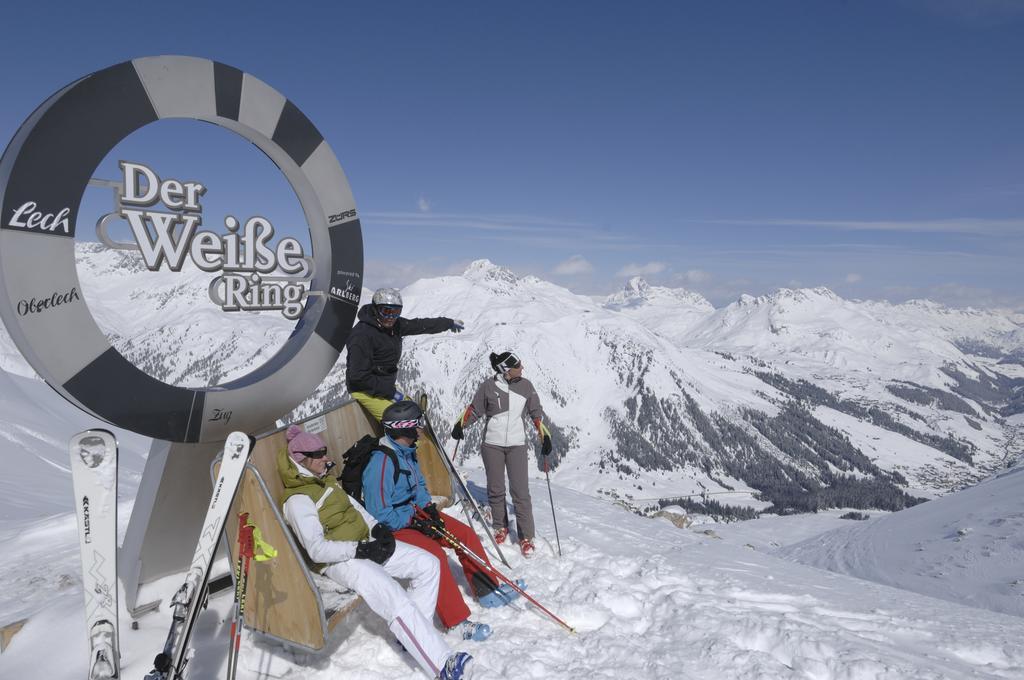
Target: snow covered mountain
x=641 y=416
x=828 y=415
x=798 y=400
x=669 y=311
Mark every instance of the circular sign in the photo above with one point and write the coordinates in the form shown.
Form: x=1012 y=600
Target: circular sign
x=43 y=176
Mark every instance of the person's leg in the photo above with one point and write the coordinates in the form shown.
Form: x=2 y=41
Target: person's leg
x=479 y=578
x=451 y=608
x=374 y=405
x=390 y=601
x=423 y=571
x=494 y=466
x=517 y=462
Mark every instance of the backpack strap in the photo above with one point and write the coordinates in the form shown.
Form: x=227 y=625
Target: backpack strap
x=389 y=452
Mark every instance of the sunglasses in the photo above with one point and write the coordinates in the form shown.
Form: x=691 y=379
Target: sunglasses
x=389 y=312
x=319 y=453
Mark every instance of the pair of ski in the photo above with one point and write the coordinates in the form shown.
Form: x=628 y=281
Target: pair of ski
x=94 y=475
x=472 y=510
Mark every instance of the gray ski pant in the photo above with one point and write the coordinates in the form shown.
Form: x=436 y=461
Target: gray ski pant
x=498 y=459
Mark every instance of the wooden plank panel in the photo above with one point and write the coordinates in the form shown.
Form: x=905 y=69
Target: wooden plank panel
x=9 y=631
x=439 y=482
x=280 y=600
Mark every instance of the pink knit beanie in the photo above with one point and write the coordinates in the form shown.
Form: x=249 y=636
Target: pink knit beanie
x=300 y=442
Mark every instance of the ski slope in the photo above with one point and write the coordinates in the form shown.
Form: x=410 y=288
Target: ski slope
x=649 y=600
x=966 y=547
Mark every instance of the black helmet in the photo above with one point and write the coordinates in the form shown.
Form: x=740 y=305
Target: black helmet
x=504 y=361
x=401 y=419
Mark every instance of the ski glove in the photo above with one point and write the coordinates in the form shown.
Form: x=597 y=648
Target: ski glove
x=457 y=325
x=425 y=527
x=398 y=397
x=435 y=514
x=457 y=430
x=545 y=447
x=378 y=550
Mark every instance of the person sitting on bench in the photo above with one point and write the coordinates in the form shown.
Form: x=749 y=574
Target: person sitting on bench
x=348 y=546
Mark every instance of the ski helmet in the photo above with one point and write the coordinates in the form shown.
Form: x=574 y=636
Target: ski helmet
x=401 y=419
x=502 y=362
x=387 y=297
x=387 y=303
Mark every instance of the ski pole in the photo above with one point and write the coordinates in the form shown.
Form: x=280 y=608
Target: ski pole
x=552 y=500
x=245 y=552
x=250 y=546
x=458 y=545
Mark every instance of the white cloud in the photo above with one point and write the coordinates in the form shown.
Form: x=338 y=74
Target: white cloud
x=966 y=225
x=854 y=278
x=648 y=269
x=423 y=204
x=523 y=229
x=696 y=276
x=577 y=264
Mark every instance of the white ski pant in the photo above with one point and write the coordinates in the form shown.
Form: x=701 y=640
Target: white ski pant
x=409 y=613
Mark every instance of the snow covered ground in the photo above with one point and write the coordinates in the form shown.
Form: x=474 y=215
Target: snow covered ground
x=649 y=600
x=967 y=547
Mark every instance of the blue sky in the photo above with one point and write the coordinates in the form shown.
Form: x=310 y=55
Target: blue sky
x=876 y=148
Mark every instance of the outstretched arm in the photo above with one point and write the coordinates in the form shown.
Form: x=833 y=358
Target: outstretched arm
x=431 y=325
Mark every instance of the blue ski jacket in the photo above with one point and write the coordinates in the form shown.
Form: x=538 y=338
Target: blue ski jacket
x=392 y=502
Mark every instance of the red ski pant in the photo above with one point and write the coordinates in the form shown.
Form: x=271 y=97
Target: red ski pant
x=450 y=607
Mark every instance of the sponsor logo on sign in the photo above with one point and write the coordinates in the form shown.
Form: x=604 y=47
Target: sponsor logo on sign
x=347 y=294
x=36 y=305
x=341 y=217
x=29 y=217
x=254 y=274
x=221 y=414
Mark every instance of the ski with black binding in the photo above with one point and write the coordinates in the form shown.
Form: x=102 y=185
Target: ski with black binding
x=93 y=456
x=473 y=508
x=171 y=663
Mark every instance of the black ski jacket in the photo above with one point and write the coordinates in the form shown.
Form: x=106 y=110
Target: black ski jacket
x=373 y=352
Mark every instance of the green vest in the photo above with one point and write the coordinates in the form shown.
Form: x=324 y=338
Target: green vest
x=340 y=520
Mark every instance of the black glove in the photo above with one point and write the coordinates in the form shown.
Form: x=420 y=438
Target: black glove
x=435 y=514
x=378 y=550
x=382 y=532
x=425 y=527
x=457 y=429
x=545 y=447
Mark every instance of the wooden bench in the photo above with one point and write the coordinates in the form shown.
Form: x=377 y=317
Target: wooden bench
x=285 y=601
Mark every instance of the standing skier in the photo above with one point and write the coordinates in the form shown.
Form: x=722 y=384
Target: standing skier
x=504 y=401
x=394 y=504
x=351 y=548
x=375 y=347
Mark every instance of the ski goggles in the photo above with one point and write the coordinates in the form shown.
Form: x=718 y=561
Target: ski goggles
x=319 y=453
x=403 y=424
x=389 y=312
x=511 y=362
